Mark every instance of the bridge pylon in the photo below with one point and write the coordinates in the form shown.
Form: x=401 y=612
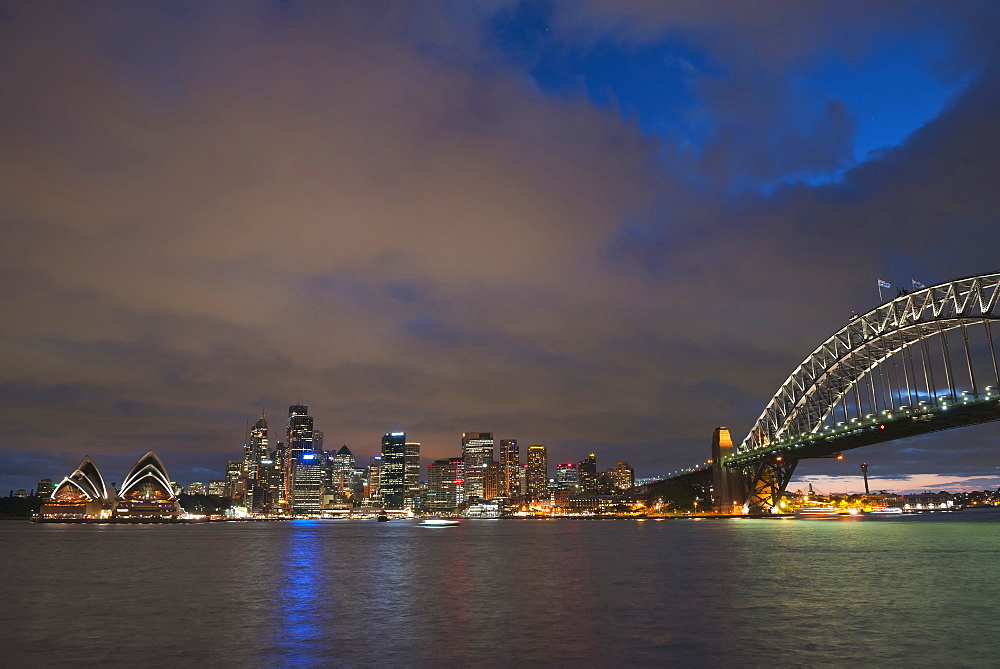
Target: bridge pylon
x=727 y=483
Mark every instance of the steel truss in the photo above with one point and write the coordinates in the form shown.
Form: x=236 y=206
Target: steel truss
x=832 y=375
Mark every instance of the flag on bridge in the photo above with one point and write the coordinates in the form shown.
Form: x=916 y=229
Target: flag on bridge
x=883 y=284
x=917 y=285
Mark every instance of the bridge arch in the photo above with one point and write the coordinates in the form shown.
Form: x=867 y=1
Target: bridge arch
x=844 y=375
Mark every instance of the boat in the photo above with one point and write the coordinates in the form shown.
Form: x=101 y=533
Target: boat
x=440 y=522
x=885 y=511
x=818 y=512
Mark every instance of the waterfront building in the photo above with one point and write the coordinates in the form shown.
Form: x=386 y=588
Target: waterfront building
x=477 y=453
x=538 y=471
x=309 y=474
x=567 y=477
x=392 y=479
x=411 y=497
x=445 y=484
x=302 y=494
x=146 y=493
x=373 y=490
x=492 y=485
x=587 y=473
x=510 y=466
x=44 y=488
x=79 y=496
x=196 y=488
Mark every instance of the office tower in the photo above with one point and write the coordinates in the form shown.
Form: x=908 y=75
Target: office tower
x=623 y=476
x=373 y=492
x=510 y=466
x=342 y=472
x=587 y=471
x=522 y=480
x=538 y=471
x=411 y=496
x=235 y=485
x=299 y=444
x=253 y=453
x=492 y=486
x=44 y=488
x=216 y=487
x=445 y=484
x=477 y=453
x=196 y=488
x=317 y=440
x=567 y=477
x=392 y=482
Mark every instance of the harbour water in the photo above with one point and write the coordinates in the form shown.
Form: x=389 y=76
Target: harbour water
x=912 y=590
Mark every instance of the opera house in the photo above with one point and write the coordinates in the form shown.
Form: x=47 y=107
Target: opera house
x=145 y=496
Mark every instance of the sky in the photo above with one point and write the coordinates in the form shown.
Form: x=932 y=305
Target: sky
x=606 y=227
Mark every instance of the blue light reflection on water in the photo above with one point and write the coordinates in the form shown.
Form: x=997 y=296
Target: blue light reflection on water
x=300 y=596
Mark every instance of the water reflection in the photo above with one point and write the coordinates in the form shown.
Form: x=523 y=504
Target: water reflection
x=300 y=596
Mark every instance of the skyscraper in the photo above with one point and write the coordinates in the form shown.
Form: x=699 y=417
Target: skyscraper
x=411 y=496
x=477 y=453
x=567 y=477
x=342 y=472
x=445 y=485
x=624 y=476
x=587 y=471
x=392 y=483
x=491 y=480
x=304 y=470
x=254 y=452
x=510 y=465
x=538 y=470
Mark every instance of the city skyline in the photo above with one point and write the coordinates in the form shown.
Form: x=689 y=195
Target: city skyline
x=604 y=227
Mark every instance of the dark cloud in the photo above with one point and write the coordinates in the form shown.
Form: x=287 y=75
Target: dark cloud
x=208 y=208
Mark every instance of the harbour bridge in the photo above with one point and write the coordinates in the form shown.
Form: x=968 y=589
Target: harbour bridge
x=921 y=363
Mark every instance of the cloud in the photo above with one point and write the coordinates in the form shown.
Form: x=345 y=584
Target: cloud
x=214 y=207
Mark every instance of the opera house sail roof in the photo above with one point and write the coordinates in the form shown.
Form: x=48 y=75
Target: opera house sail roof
x=146 y=495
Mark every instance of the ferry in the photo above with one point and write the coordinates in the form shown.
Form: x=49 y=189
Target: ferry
x=818 y=512
x=440 y=522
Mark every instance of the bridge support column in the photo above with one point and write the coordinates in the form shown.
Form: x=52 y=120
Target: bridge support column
x=764 y=484
x=727 y=486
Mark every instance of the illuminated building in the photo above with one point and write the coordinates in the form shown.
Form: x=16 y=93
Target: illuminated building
x=492 y=486
x=309 y=473
x=235 y=483
x=411 y=496
x=587 y=473
x=392 y=480
x=445 y=484
x=342 y=472
x=254 y=451
x=146 y=493
x=623 y=476
x=44 y=488
x=510 y=465
x=373 y=492
x=303 y=464
x=80 y=496
x=538 y=470
x=477 y=453
x=196 y=488
x=216 y=487
x=567 y=477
